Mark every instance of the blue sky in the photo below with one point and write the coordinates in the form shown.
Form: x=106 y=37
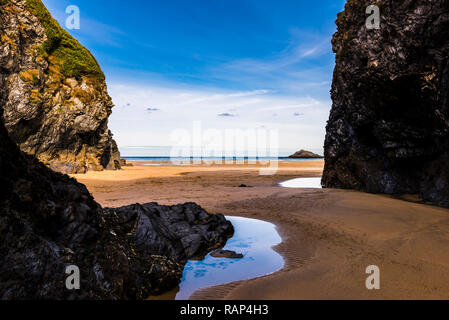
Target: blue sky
x=229 y=64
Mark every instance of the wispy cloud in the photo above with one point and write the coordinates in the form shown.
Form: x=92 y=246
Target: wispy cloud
x=151 y=110
x=220 y=97
x=100 y=33
x=181 y=107
x=226 y=114
x=292 y=69
x=285 y=59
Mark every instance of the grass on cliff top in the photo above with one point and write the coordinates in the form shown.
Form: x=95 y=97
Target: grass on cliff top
x=76 y=60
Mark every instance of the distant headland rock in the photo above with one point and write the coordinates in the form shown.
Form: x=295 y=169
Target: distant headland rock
x=388 y=130
x=304 y=154
x=58 y=106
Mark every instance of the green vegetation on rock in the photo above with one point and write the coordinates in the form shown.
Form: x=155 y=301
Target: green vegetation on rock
x=75 y=59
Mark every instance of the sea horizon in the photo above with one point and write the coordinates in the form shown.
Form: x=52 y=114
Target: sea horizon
x=178 y=159
x=165 y=153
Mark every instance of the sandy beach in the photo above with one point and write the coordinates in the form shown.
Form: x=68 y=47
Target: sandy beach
x=329 y=236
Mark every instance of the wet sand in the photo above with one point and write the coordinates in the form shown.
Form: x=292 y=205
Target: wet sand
x=329 y=236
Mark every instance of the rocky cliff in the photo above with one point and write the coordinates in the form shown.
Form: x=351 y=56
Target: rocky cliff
x=48 y=221
x=58 y=105
x=388 y=130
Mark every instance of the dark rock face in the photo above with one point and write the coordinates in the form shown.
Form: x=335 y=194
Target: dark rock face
x=179 y=232
x=48 y=221
x=58 y=106
x=388 y=130
x=304 y=154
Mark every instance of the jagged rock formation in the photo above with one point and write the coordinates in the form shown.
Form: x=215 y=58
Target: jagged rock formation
x=389 y=126
x=58 y=105
x=48 y=221
x=304 y=154
x=179 y=232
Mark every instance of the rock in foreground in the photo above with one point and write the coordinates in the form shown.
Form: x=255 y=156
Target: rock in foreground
x=179 y=232
x=48 y=221
x=388 y=130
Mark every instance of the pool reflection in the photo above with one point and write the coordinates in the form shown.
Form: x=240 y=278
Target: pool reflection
x=254 y=239
x=302 y=183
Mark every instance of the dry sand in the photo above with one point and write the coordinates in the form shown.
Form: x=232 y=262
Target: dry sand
x=329 y=236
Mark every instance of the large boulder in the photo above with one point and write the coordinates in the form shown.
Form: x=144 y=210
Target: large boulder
x=179 y=232
x=388 y=130
x=58 y=105
x=48 y=222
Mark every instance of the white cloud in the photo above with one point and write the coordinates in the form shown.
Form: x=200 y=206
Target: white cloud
x=291 y=71
x=134 y=126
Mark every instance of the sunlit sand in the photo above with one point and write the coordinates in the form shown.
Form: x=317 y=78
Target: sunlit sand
x=329 y=236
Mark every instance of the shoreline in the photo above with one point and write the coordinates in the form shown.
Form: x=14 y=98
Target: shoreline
x=329 y=236
x=319 y=271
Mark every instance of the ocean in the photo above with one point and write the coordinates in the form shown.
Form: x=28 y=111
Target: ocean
x=163 y=154
x=186 y=159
